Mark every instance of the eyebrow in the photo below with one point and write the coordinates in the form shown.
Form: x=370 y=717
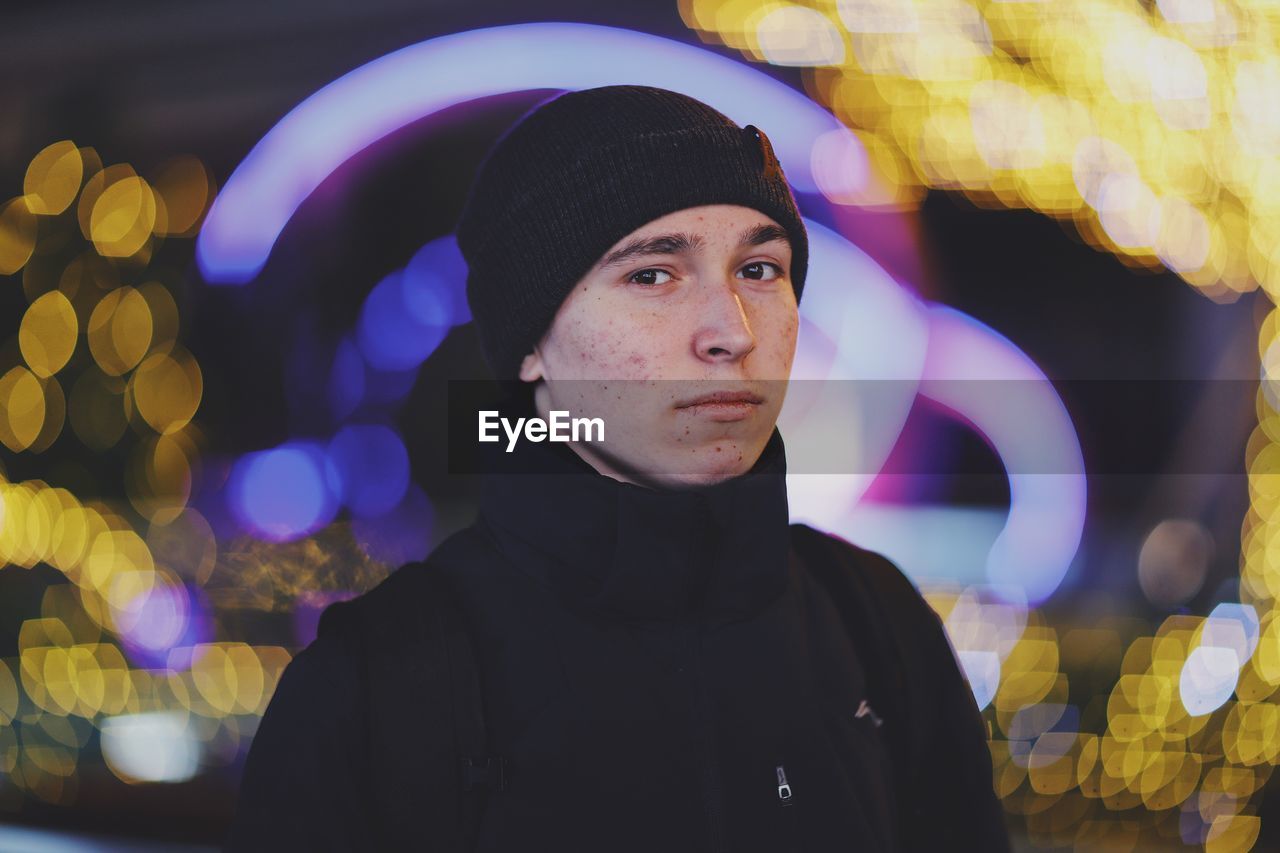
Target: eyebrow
x=682 y=243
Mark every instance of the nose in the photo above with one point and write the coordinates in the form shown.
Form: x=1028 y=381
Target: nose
x=724 y=333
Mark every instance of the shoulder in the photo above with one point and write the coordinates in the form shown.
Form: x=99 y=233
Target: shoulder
x=860 y=571
x=305 y=757
x=931 y=718
x=325 y=674
x=884 y=611
x=401 y=597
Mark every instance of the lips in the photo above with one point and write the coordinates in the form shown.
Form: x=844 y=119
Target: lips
x=722 y=398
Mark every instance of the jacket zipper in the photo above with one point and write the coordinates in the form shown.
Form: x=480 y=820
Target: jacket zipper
x=790 y=817
x=710 y=770
x=784 y=788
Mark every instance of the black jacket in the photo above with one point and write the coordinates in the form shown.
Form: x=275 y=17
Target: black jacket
x=661 y=672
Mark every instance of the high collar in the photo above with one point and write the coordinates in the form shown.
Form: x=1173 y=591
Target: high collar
x=720 y=551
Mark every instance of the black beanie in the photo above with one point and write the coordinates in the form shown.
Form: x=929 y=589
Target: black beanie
x=581 y=171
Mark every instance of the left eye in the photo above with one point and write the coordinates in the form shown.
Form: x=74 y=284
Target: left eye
x=648 y=276
x=762 y=271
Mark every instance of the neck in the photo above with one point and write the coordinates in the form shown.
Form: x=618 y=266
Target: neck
x=614 y=547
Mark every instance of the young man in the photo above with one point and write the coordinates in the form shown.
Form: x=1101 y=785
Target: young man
x=665 y=663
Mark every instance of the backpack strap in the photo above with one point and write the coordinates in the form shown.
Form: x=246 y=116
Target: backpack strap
x=425 y=720
x=866 y=589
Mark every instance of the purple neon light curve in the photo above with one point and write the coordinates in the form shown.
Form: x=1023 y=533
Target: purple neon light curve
x=380 y=97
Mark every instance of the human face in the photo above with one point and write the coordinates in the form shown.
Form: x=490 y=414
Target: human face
x=697 y=302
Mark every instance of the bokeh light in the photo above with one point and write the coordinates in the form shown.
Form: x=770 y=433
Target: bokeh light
x=1153 y=127
x=167 y=387
x=399 y=327
x=123 y=217
x=119 y=330
x=53 y=178
x=372 y=468
x=48 y=333
x=283 y=493
x=17 y=235
x=22 y=409
x=155 y=746
x=1174 y=561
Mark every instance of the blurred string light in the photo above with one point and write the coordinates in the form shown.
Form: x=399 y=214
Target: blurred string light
x=126 y=647
x=1153 y=127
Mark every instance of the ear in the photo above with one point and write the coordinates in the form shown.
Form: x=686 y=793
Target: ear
x=531 y=368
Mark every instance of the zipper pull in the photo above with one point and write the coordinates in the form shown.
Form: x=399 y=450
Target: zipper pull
x=784 y=789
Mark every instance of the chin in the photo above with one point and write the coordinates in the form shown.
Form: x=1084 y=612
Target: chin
x=713 y=463
x=668 y=463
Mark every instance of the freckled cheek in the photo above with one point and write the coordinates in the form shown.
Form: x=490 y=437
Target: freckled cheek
x=632 y=359
x=782 y=340
x=607 y=350
x=790 y=326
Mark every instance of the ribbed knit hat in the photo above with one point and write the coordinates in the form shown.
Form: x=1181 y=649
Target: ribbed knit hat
x=581 y=171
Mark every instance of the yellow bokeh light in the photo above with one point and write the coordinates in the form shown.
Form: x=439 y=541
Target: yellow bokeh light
x=13 y=523
x=72 y=533
x=22 y=409
x=167 y=388
x=20 y=538
x=1008 y=102
x=48 y=332
x=787 y=34
x=1232 y=833
x=17 y=235
x=53 y=178
x=119 y=330
x=9 y=699
x=66 y=678
x=158 y=481
x=123 y=217
x=228 y=677
x=99 y=179
x=112 y=553
x=164 y=315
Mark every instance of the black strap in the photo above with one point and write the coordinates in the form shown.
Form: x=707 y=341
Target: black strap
x=856 y=586
x=424 y=710
x=479 y=773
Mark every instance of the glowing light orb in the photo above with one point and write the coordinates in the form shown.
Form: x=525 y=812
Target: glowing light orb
x=155 y=746
x=283 y=493
x=1208 y=678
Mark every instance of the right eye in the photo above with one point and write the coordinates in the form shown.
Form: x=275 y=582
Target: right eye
x=648 y=277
